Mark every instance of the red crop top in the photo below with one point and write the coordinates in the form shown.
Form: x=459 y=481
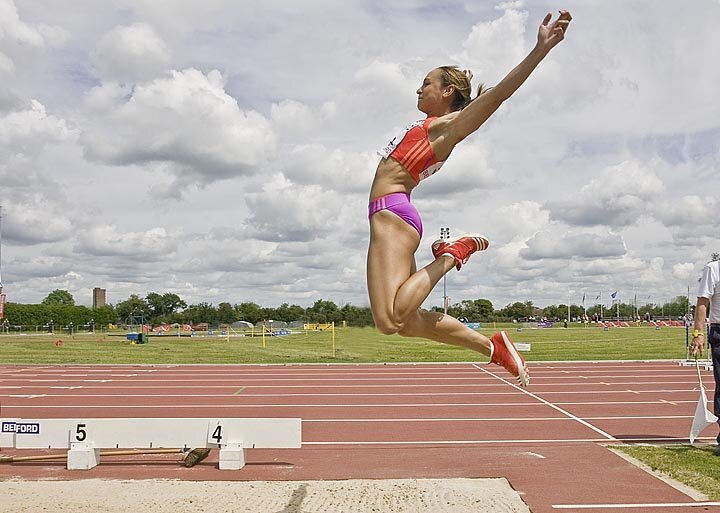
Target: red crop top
x=412 y=149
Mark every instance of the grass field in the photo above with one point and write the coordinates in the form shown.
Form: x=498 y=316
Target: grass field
x=352 y=345
x=695 y=467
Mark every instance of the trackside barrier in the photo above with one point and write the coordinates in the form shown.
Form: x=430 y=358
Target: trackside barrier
x=690 y=362
x=85 y=437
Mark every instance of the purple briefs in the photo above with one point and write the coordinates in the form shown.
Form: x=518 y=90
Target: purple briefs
x=399 y=204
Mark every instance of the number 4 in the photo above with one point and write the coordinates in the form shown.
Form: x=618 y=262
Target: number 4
x=217 y=434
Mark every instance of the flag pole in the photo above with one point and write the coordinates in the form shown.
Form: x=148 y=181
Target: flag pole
x=697 y=367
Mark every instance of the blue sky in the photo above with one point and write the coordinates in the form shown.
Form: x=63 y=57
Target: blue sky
x=224 y=153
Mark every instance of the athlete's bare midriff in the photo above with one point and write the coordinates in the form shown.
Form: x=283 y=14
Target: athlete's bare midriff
x=390 y=177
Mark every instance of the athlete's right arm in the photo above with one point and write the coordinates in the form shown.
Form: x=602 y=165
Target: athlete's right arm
x=461 y=124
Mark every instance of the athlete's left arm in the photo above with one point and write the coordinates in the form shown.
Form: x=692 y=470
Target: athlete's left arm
x=454 y=127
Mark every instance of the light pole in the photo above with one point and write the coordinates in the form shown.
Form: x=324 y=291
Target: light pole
x=445 y=235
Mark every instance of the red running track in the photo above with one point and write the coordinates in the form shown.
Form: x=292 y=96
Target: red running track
x=396 y=421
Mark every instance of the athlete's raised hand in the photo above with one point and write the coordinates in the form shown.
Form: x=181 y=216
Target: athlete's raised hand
x=550 y=34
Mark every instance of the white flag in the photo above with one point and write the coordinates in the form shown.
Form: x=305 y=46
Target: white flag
x=703 y=418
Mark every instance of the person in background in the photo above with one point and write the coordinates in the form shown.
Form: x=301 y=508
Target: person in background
x=708 y=306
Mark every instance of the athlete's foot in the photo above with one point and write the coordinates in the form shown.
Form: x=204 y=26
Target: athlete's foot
x=460 y=248
x=505 y=354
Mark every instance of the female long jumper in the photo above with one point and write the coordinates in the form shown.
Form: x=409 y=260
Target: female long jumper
x=396 y=287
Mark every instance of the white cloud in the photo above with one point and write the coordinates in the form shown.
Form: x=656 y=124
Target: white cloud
x=106 y=241
x=19 y=39
x=495 y=46
x=617 y=196
x=519 y=221
x=287 y=212
x=132 y=53
x=186 y=121
x=38 y=220
x=684 y=271
x=14 y=30
x=27 y=130
x=573 y=245
x=6 y=64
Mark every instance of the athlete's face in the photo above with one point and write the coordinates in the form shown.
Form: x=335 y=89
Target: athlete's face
x=432 y=95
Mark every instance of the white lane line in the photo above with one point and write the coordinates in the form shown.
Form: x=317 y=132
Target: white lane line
x=437 y=394
x=638 y=506
x=344 y=378
x=275 y=374
x=216 y=405
x=496 y=419
x=250 y=383
x=444 y=372
x=553 y=406
x=234 y=386
x=491 y=442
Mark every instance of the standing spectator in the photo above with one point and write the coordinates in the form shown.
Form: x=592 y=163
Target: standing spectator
x=708 y=302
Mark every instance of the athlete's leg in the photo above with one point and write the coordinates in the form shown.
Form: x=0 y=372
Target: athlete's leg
x=396 y=292
x=446 y=329
x=396 y=289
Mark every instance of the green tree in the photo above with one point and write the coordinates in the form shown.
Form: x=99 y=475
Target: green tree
x=164 y=305
x=357 y=316
x=552 y=312
x=289 y=313
x=475 y=310
x=324 y=311
x=59 y=297
x=201 y=312
x=103 y=316
x=677 y=307
x=134 y=305
x=154 y=301
x=249 y=312
x=60 y=315
x=518 y=310
x=576 y=311
x=226 y=313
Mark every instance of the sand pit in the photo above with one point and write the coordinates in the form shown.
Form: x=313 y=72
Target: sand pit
x=352 y=496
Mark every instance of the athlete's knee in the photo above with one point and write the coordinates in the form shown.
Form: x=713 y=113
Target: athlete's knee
x=388 y=324
x=388 y=327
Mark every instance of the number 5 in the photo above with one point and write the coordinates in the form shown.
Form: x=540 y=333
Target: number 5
x=80 y=433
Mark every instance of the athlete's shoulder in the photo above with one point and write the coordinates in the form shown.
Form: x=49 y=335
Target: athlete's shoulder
x=440 y=127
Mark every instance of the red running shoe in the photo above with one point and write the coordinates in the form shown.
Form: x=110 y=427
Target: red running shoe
x=460 y=248
x=506 y=355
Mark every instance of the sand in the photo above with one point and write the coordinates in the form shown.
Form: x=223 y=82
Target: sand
x=352 y=496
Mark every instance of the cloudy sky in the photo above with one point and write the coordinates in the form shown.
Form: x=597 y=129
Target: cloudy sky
x=223 y=150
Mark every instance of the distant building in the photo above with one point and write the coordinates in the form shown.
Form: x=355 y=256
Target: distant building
x=98 y=297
